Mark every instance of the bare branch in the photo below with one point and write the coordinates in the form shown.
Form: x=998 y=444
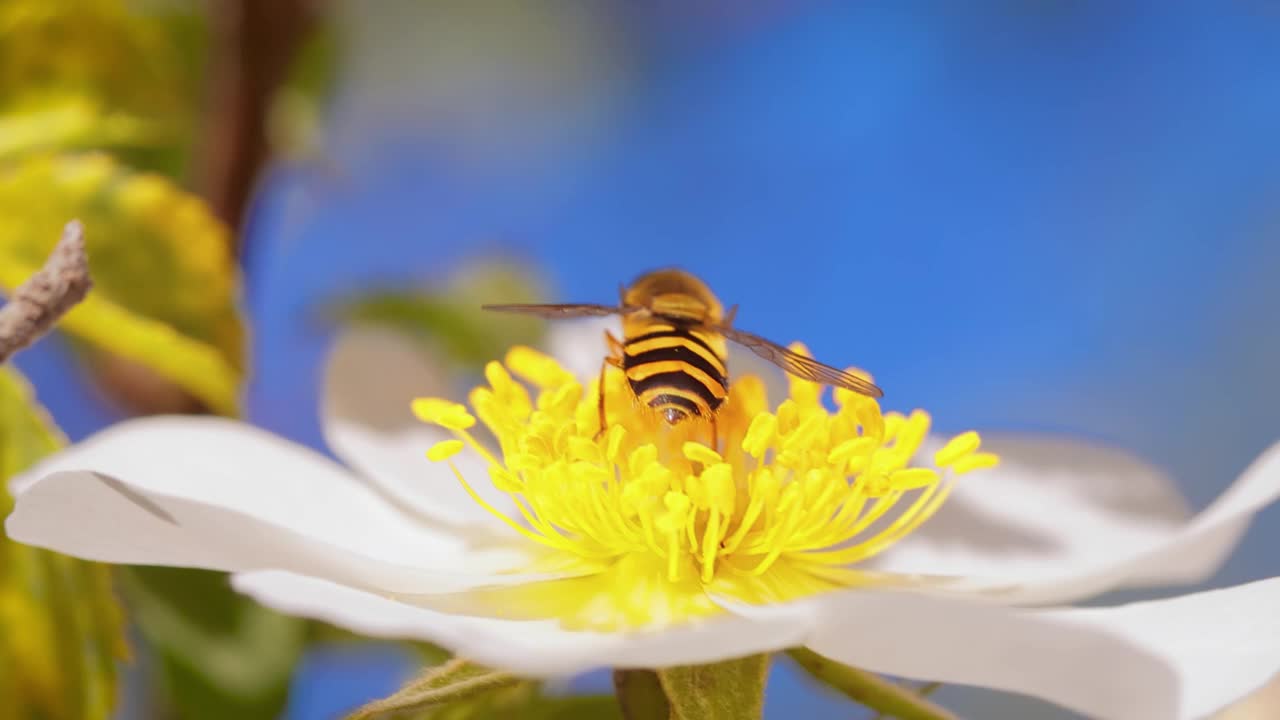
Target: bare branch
x=37 y=304
x=252 y=45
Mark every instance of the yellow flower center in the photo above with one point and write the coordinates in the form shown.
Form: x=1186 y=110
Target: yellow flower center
x=653 y=520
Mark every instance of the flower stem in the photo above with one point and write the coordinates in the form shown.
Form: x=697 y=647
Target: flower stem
x=869 y=689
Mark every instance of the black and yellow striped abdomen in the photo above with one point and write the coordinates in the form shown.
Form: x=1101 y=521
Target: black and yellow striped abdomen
x=676 y=371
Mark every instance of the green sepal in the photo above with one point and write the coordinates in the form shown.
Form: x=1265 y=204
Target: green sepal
x=729 y=690
x=456 y=680
x=869 y=689
x=640 y=695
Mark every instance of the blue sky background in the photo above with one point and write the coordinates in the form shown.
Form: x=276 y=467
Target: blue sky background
x=1038 y=215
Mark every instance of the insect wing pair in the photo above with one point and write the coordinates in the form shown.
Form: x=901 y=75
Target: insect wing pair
x=794 y=363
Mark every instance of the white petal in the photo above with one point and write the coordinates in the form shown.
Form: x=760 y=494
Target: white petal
x=1053 y=507
x=371 y=379
x=1040 y=543
x=531 y=648
x=1172 y=659
x=215 y=493
x=579 y=346
x=1190 y=554
x=1203 y=545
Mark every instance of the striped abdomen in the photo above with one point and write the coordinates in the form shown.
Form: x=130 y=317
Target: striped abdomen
x=676 y=371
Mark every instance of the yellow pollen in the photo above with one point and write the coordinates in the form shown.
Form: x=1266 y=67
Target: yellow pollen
x=541 y=370
x=759 y=434
x=698 y=452
x=444 y=413
x=959 y=446
x=445 y=449
x=976 y=461
x=652 y=520
x=913 y=478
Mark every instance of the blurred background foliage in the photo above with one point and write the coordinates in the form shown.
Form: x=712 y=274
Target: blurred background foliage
x=1069 y=206
x=61 y=631
x=126 y=116
x=98 y=104
x=446 y=317
x=166 y=286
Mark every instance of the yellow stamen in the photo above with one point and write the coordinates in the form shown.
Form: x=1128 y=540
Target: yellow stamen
x=793 y=497
x=959 y=446
x=444 y=450
x=976 y=461
x=913 y=478
x=700 y=453
x=760 y=434
x=541 y=370
x=443 y=413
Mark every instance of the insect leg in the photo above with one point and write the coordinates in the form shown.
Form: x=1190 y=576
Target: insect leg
x=615 y=349
x=614 y=358
x=730 y=316
x=604 y=365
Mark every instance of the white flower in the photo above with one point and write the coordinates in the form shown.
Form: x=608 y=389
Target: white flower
x=393 y=546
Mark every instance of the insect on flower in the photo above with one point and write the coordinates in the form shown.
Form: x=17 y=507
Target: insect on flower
x=673 y=350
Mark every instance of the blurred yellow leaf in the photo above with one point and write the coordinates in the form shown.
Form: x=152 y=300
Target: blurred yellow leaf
x=74 y=122
x=61 y=631
x=165 y=283
x=105 y=50
x=102 y=74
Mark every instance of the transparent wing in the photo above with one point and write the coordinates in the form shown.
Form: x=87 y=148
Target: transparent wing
x=559 y=311
x=800 y=365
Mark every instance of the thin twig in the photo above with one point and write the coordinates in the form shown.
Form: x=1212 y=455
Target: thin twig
x=37 y=304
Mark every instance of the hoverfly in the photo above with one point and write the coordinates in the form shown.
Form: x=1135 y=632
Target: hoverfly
x=673 y=351
x=673 y=348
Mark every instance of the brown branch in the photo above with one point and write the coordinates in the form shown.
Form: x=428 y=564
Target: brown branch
x=38 y=303
x=253 y=44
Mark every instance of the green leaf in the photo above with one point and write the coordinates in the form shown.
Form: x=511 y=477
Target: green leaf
x=104 y=74
x=449 y=317
x=640 y=695
x=729 y=690
x=451 y=682
x=62 y=630
x=222 y=655
x=165 y=285
x=869 y=689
